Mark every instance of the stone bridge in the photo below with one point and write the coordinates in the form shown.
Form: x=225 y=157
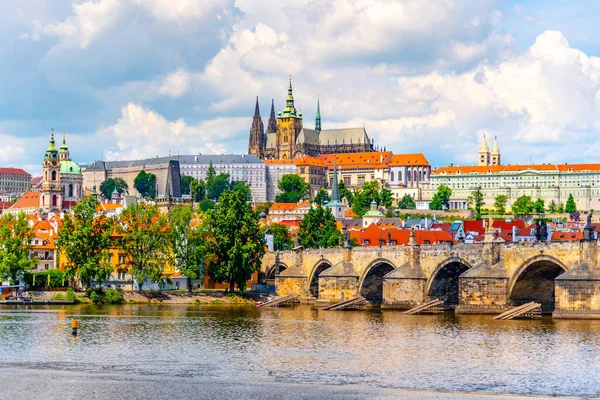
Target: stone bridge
x=471 y=278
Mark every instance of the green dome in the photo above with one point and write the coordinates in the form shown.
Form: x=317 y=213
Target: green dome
x=373 y=214
x=69 y=167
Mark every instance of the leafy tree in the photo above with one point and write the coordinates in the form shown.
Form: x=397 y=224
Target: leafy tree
x=364 y=196
x=500 y=203
x=198 y=190
x=145 y=184
x=145 y=240
x=85 y=240
x=237 y=246
x=282 y=239
x=108 y=187
x=318 y=229
x=523 y=206
x=570 y=207
x=186 y=184
x=243 y=187
x=407 y=203
x=561 y=208
x=15 y=237
x=385 y=197
x=441 y=198
x=345 y=193
x=206 y=205
x=187 y=242
x=322 y=197
x=476 y=200
x=293 y=189
x=216 y=186
x=263 y=207
x=539 y=206
x=552 y=207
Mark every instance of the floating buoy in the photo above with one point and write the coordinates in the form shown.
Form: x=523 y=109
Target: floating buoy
x=74 y=326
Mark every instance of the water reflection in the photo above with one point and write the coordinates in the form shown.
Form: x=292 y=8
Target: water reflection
x=308 y=345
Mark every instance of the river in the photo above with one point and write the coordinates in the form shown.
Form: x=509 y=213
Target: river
x=301 y=352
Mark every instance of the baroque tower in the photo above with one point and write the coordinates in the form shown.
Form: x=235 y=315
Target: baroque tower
x=495 y=158
x=484 y=153
x=51 y=193
x=289 y=125
x=256 y=144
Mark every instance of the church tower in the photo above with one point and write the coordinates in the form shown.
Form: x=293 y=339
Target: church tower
x=484 y=153
x=495 y=158
x=51 y=193
x=318 y=118
x=289 y=125
x=272 y=126
x=257 y=134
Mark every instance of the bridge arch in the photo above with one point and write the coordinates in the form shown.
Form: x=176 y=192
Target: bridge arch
x=534 y=281
x=275 y=269
x=313 y=279
x=443 y=281
x=370 y=284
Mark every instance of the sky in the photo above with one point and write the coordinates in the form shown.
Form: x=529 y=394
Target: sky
x=128 y=79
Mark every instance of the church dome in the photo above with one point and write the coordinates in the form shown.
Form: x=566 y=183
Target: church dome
x=69 y=167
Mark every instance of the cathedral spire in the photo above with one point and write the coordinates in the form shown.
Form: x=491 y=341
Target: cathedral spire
x=256 y=109
x=272 y=126
x=318 y=117
x=257 y=134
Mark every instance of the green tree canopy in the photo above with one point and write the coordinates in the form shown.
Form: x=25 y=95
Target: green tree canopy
x=407 y=203
x=282 y=240
x=206 y=205
x=539 y=206
x=345 y=193
x=263 y=207
x=523 y=206
x=552 y=207
x=186 y=184
x=500 y=203
x=561 y=208
x=243 y=187
x=15 y=238
x=108 y=187
x=187 y=242
x=237 y=245
x=145 y=240
x=198 y=190
x=441 y=198
x=385 y=198
x=321 y=197
x=293 y=189
x=145 y=184
x=570 y=206
x=363 y=197
x=216 y=186
x=318 y=229
x=85 y=240
x=476 y=201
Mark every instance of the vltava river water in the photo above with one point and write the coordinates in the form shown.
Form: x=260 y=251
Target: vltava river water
x=302 y=345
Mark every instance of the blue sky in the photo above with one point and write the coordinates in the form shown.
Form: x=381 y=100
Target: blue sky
x=141 y=78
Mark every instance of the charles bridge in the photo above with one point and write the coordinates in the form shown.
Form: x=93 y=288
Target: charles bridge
x=471 y=278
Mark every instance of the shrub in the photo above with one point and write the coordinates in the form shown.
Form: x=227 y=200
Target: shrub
x=59 y=296
x=71 y=294
x=95 y=298
x=113 y=296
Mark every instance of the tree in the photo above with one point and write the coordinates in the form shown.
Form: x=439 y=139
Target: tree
x=293 y=189
x=206 y=205
x=407 y=203
x=263 y=207
x=216 y=186
x=345 y=193
x=552 y=207
x=363 y=197
x=15 y=237
x=385 y=197
x=187 y=242
x=561 y=208
x=500 y=203
x=186 y=184
x=85 y=240
x=198 y=190
x=145 y=184
x=441 y=198
x=237 y=245
x=243 y=187
x=108 y=187
x=282 y=239
x=539 y=206
x=318 y=229
x=322 y=197
x=523 y=206
x=144 y=238
x=476 y=200
x=570 y=207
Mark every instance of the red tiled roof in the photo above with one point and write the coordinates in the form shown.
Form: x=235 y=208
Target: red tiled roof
x=13 y=171
x=374 y=233
x=468 y=169
x=36 y=180
x=474 y=226
x=28 y=200
x=442 y=227
x=311 y=161
x=566 y=236
x=502 y=224
x=408 y=159
x=366 y=160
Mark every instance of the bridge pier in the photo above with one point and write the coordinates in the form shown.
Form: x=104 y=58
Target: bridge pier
x=484 y=289
x=404 y=287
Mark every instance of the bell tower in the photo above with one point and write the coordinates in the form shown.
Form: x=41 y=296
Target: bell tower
x=484 y=153
x=289 y=125
x=257 y=134
x=51 y=193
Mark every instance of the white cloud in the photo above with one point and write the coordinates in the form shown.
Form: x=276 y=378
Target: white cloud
x=12 y=149
x=142 y=133
x=175 y=84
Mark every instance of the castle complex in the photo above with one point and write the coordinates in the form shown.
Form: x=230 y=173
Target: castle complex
x=286 y=138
